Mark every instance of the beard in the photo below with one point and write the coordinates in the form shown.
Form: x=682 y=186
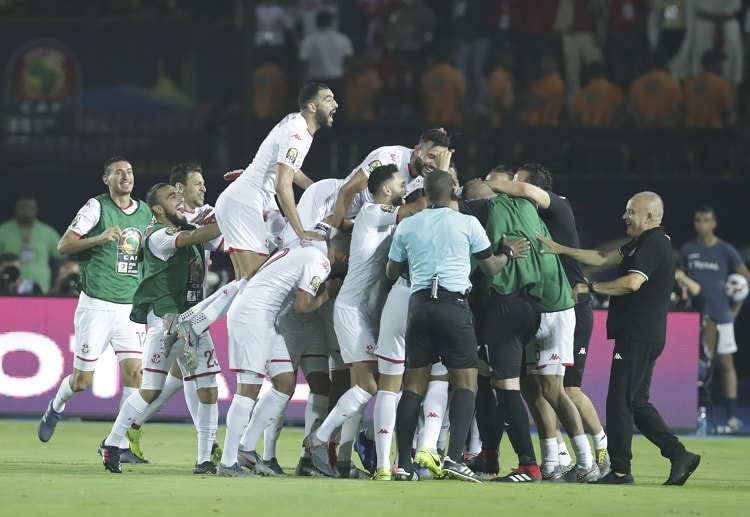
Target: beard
x=178 y=221
x=321 y=119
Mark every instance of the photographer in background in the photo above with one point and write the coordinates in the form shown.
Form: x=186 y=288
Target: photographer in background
x=11 y=283
x=66 y=280
x=34 y=242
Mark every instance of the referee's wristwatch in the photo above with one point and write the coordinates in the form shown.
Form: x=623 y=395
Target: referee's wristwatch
x=591 y=287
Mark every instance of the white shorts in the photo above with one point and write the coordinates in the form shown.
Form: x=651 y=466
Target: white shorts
x=252 y=341
x=99 y=324
x=242 y=226
x=355 y=334
x=551 y=350
x=727 y=343
x=391 y=349
x=280 y=361
x=156 y=366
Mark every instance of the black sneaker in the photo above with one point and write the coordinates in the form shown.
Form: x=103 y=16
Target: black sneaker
x=614 y=479
x=455 y=470
x=682 y=468
x=349 y=470
x=204 y=468
x=110 y=458
x=305 y=468
x=404 y=475
x=273 y=464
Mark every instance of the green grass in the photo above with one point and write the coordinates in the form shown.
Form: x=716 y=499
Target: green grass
x=66 y=477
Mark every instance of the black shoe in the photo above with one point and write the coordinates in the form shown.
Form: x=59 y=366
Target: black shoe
x=111 y=458
x=204 y=468
x=682 y=467
x=305 y=468
x=614 y=479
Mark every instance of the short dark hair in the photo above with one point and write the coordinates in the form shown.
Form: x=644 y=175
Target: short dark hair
x=181 y=171
x=324 y=18
x=9 y=257
x=152 y=196
x=380 y=175
x=538 y=175
x=309 y=92
x=113 y=159
x=706 y=209
x=438 y=185
x=435 y=135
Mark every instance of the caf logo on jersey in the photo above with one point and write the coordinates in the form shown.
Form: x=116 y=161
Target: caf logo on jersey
x=373 y=165
x=315 y=283
x=291 y=155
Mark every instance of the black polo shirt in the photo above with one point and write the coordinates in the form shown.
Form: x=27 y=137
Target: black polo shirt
x=561 y=224
x=642 y=315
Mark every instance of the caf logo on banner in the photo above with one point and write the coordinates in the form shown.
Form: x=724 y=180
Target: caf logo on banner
x=43 y=80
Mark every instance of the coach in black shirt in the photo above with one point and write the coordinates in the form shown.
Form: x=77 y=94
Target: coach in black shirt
x=637 y=321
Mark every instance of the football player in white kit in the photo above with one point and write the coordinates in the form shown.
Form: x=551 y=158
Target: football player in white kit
x=242 y=206
x=302 y=267
x=357 y=312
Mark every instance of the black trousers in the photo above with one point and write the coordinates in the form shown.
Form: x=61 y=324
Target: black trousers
x=628 y=403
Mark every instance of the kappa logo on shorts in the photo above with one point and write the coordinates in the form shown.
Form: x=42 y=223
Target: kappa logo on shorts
x=582 y=351
x=554 y=357
x=618 y=357
x=291 y=155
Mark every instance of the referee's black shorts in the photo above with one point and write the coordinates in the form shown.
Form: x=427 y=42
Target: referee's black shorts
x=441 y=329
x=508 y=323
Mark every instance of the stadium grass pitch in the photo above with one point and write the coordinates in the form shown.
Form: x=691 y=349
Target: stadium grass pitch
x=66 y=477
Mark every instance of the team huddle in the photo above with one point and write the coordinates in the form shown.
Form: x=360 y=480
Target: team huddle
x=450 y=305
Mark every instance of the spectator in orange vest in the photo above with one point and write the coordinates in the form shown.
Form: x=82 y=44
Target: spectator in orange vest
x=363 y=85
x=545 y=96
x=600 y=102
x=654 y=97
x=501 y=90
x=708 y=98
x=443 y=93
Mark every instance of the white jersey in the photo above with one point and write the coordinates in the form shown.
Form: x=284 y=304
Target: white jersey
x=90 y=213
x=365 y=285
x=192 y=215
x=288 y=143
x=302 y=265
x=316 y=204
x=396 y=154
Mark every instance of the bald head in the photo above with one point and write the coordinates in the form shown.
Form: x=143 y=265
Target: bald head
x=643 y=212
x=477 y=189
x=653 y=204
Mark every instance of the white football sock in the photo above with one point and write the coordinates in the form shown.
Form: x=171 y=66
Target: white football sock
x=316 y=410
x=129 y=413
x=191 y=400
x=582 y=448
x=171 y=386
x=349 y=403
x=434 y=407
x=271 y=436
x=207 y=424
x=268 y=410
x=550 y=457
x=349 y=431
x=385 y=423
x=127 y=392
x=64 y=394
x=563 y=455
x=600 y=440
x=238 y=416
